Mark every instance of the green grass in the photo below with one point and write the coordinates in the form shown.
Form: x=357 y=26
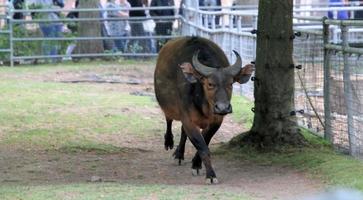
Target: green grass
x=242 y=110
x=49 y=114
x=90 y=146
x=115 y=191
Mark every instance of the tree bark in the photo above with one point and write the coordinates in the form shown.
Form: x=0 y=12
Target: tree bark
x=273 y=123
x=89 y=29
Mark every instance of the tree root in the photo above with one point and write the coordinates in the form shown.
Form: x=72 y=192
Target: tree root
x=266 y=142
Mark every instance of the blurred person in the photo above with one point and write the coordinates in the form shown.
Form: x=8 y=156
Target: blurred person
x=18 y=5
x=181 y=8
x=73 y=27
x=118 y=28
x=358 y=14
x=342 y=14
x=163 y=27
x=211 y=3
x=137 y=27
x=48 y=29
x=73 y=15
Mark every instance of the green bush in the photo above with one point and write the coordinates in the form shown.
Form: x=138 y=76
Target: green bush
x=29 y=48
x=4 y=44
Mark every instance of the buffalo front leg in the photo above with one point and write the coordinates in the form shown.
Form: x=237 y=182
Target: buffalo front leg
x=168 y=137
x=179 y=152
x=207 y=133
x=197 y=140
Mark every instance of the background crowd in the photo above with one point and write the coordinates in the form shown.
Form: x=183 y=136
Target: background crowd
x=118 y=23
x=128 y=30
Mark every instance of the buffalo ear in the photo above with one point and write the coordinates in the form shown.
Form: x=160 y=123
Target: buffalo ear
x=189 y=72
x=244 y=75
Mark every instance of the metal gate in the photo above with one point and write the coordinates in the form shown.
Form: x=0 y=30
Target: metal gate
x=5 y=35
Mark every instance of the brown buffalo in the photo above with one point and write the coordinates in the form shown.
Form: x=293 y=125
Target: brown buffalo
x=193 y=84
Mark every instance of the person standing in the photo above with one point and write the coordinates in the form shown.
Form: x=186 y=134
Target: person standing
x=163 y=27
x=120 y=27
x=358 y=14
x=211 y=3
x=73 y=15
x=343 y=14
x=137 y=28
x=18 y=5
x=49 y=29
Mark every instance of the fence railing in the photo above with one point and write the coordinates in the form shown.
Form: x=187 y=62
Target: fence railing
x=27 y=42
x=344 y=81
x=42 y=38
x=5 y=33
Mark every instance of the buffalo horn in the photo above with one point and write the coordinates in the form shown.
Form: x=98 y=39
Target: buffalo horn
x=236 y=67
x=199 y=67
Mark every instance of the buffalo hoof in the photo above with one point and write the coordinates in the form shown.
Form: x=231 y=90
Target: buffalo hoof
x=196 y=172
x=211 y=181
x=169 y=142
x=179 y=161
x=178 y=155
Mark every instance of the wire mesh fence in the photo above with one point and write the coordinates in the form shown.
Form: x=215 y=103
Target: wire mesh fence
x=309 y=79
x=346 y=100
x=329 y=84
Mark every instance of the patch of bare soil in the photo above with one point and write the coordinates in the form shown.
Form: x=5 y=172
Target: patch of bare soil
x=135 y=80
x=145 y=161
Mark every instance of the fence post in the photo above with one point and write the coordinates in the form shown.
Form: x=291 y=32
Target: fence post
x=213 y=22
x=11 y=42
x=231 y=37
x=348 y=97
x=327 y=117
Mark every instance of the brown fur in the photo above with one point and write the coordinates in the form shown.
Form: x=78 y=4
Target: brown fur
x=198 y=101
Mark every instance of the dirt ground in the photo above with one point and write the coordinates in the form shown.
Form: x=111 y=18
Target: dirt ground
x=145 y=160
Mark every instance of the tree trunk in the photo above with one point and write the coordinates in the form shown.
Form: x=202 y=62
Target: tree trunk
x=89 y=29
x=274 y=84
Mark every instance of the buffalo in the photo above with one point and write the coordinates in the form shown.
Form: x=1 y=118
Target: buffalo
x=193 y=84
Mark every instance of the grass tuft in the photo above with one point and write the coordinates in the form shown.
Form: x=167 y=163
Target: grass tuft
x=90 y=147
x=242 y=110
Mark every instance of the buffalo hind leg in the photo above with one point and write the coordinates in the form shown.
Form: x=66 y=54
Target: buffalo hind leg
x=197 y=140
x=179 y=152
x=168 y=142
x=207 y=133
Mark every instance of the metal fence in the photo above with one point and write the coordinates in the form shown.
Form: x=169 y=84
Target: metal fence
x=329 y=85
x=42 y=39
x=5 y=32
x=329 y=74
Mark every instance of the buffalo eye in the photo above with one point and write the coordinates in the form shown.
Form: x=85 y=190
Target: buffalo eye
x=211 y=86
